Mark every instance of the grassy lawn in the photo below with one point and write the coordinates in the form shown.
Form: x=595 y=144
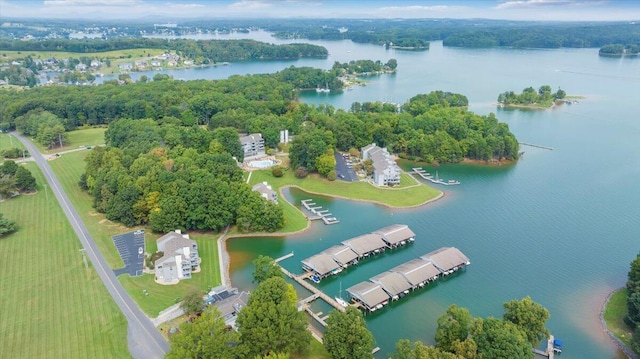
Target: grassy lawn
x=8 y=141
x=82 y=137
x=394 y=197
x=51 y=306
x=615 y=310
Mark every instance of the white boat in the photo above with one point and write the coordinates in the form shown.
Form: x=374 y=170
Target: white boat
x=339 y=299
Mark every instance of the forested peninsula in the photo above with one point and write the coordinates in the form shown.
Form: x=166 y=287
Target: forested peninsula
x=160 y=160
x=620 y=50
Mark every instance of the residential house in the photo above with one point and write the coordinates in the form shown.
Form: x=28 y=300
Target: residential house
x=266 y=192
x=81 y=67
x=127 y=66
x=140 y=64
x=385 y=170
x=95 y=64
x=253 y=145
x=180 y=258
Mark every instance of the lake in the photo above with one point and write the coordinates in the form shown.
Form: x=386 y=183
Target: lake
x=560 y=226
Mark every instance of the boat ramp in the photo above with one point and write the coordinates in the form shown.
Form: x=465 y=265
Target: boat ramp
x=397 y=282
x=334 y=259
x=427 y=176
x=318 y=212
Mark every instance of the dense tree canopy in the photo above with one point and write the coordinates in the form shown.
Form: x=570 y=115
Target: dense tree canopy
x=347 y=336
x=192 y=302
x=530 y=317
x=265 y=267
x=543 y=97
x=271 y=323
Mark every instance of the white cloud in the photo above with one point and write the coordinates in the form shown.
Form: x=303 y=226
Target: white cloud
x=528 y=4
x=92 y=2
x=250 y=5
x=414 y=11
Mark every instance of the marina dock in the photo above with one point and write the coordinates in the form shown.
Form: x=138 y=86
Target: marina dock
x=300 y=279
x=319 y=212
x=427 y=176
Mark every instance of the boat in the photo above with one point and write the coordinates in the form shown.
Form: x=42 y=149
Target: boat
x=325 y=89
x=339 y=299
x=379 y=306
x=402 y=243
x=315 y=279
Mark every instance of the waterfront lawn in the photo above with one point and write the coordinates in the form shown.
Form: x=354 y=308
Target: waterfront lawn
x=78 y=139
x=394 y=197
x=51 y=305
x=614 y=312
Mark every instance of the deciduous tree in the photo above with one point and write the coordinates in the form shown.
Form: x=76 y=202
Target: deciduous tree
x=529 y=316
x=265 y=267
x=347 y=336
x=192 y=302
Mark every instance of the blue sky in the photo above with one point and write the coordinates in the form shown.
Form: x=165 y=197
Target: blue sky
x=176 y=10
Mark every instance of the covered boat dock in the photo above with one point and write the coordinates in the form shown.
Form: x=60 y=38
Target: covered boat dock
x=366 y=244
x=343 y=255
x=370 y=295
x=447 y=259
x=393 y=283
x=396 y=235
x=418 y=272
x=322 y=265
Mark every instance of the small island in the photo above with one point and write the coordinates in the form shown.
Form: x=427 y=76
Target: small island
x=619 y=50
x=530 y=98
x=348 y=72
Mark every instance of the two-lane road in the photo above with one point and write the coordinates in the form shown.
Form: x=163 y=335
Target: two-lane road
x=144 y=339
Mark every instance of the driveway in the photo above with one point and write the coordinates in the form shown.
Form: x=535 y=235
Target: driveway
x=344 y=172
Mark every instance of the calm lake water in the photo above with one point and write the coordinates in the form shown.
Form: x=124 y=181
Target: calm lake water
x=560 y=226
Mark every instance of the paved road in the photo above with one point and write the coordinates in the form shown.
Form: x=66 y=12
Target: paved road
x=144 y=339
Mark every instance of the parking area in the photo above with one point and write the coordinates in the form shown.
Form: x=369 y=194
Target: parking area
x=131 y=249
x=344 y=168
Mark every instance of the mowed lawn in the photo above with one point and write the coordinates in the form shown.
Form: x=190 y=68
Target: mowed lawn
x=68 y=168
x=50 y=305
x=614 y=313
x=78 y=139
x=8 y=141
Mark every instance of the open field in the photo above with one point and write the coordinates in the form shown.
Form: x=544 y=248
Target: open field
x=68 y=168
x=82 y=137
x=615 y=310
x=8 y=141
x=51 y=306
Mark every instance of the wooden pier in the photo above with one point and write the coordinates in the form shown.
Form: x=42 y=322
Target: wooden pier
x=428 y=177
x=278 y=260
x=537 y=146
x=320 y=214
x=301 y=280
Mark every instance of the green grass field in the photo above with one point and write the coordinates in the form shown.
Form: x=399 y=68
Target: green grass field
x=68 y=168
x=8 y=141
x=82 y=137
x=51 y=306
x=615 y=310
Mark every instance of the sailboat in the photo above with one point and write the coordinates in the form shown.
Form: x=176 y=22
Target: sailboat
x=339 y=299
x=325 y=89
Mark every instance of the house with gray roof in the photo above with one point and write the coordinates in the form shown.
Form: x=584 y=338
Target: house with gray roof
x=447 y=259
x=180 y=258
x=266 y=192
x=366 y=244
x=370 y=295
x=344 y=255
x=396 y=235
x=385 y=170
x=253 y=145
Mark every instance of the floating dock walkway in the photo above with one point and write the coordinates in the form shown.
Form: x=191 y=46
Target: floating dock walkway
x=319 y=212
x=427 y=176
x=537 y=146
x=320 y=294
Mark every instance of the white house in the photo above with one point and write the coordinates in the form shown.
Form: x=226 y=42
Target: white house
x=253 y=145
x=266 y=192
x=180 y=258
x=385 y=169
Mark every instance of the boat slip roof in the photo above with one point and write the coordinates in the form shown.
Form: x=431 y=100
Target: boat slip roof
x=446 y=258
x=321 y=263
x=417 y=271
x=369 y=293
x=395 y=233
x=365 y=243
x=341 y=254
x=392 y=282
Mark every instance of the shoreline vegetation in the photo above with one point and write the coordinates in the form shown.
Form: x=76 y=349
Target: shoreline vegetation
x=541 y=99
x=612 y=313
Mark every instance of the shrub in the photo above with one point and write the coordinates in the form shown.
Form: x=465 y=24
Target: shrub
x=13 y=153
x=331 y=176
x=277 y=171
x=301 y=172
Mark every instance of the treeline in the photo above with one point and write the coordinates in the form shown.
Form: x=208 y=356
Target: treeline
x=356 y=67
x=15 y=179
x=462 y=33
x=201 y=51
x=529 y=96
x=619 y=50
x=632 y=319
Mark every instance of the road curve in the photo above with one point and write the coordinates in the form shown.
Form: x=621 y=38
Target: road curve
x=144 y=339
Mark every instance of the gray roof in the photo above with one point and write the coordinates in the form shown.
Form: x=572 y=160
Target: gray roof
x=417 y=271
x=392 y=282
x=365 y=243
x=369 y=293
x=446 y=258
x=341 y=254
x=395 y=233
x=321 y=263
x=265 y=190
x=233 y=304
x=254 y=137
